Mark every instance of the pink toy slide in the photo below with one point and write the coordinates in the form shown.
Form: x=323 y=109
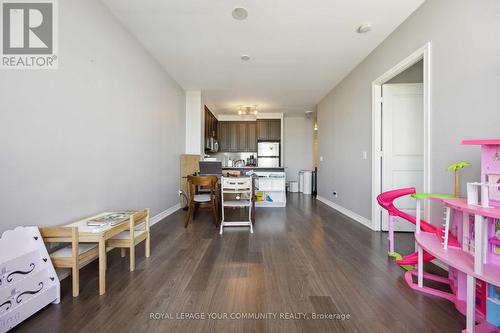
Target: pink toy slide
x=386 y=201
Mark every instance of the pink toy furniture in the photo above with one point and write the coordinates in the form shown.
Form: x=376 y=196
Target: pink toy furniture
x=469 y=245
x=386 y=201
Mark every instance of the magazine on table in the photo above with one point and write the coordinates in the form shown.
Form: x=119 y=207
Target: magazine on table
x=109 y=219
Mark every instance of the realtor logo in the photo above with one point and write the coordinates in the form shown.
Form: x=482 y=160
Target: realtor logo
x=29 y=34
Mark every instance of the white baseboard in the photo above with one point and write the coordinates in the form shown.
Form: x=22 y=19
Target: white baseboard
x=158 y=217
x=356 y=217
x=63 y=273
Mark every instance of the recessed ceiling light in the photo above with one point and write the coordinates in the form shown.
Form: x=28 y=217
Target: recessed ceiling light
x=240 y=13
x=245 y=57
x=364 y=28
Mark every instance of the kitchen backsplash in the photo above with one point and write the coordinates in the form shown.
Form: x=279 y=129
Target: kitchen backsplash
x=224 y=157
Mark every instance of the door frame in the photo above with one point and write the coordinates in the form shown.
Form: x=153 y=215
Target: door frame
x=423 y=53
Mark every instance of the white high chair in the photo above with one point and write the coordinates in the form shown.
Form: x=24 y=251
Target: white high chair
x=239 y=193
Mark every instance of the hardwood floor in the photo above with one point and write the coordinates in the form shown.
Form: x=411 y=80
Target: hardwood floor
x=306 y=258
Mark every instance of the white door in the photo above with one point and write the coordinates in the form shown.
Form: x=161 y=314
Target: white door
x=402 y=146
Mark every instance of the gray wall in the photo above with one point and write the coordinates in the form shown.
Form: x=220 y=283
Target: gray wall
x=414 y=74
x=102 y=132
x=465 y=103
x=298 y=145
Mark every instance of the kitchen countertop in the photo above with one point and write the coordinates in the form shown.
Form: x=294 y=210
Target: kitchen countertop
x=254 y=168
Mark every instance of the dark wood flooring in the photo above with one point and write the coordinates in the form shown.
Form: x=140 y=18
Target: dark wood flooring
x=306 y=258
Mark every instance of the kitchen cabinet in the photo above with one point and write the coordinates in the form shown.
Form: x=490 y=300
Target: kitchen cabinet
x=228 y=139
x=269 y=129
x=223 y=129
x=233 y=136
x=210 y=126
x=252 y=136
x=262 y=129
x=237 y=136
x=274 y=129
x=242 y=136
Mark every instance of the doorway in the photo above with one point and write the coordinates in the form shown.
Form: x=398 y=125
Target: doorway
x=401 y=135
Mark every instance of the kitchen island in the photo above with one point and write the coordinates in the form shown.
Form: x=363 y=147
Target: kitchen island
x=269 y=184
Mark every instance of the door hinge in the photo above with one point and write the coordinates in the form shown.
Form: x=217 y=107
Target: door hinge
x=381 y=100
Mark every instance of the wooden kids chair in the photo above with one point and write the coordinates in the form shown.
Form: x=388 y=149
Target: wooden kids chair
x=137 y=232
x=72 y=255
x=196 y=198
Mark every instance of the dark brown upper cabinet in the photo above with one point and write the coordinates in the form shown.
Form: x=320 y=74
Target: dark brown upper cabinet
x=210 y=126
x=252 y=136
x=237 y=136
x=233 y=136
x=269 y=130
x=242 y=136
x=223 y=128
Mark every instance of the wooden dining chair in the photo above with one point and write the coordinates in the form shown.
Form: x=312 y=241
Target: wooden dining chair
x=71 y=256
x=197 y=198
x=137 y=232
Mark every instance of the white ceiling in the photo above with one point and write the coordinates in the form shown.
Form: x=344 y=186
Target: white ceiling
x=299 y=49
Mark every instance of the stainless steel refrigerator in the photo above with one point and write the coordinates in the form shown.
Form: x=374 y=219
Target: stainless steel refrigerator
x=268 y=154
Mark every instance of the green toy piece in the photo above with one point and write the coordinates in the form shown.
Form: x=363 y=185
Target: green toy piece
x=432 y=195
x=455 y=167
x=397 y=256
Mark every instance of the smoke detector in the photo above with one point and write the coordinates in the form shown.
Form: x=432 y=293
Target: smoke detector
x=364 y=28
x=308 y=113
x=239 y=13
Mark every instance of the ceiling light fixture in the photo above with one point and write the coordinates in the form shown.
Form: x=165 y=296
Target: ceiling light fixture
x=245 y=57
x=247 y=110
x=364 y=28
x=239 y=13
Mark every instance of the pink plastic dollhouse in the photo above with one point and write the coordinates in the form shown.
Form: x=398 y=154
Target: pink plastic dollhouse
x=469 y=244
